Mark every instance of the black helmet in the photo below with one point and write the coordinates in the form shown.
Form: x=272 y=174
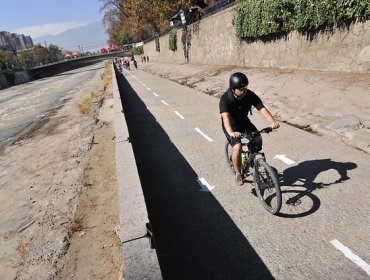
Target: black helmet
x=238 y=80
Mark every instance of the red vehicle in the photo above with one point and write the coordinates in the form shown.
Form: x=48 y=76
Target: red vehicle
x=115 y=47
x=76 y=54
x=104 y=50
x=111 y=48
x=67 y=56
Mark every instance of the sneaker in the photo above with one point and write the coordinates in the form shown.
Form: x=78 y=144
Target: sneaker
x=239 y=180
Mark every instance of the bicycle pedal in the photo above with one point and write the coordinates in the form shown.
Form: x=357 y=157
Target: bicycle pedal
x=253 y=191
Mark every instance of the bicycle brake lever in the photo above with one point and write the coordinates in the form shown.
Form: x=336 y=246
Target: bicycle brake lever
x=268 y=129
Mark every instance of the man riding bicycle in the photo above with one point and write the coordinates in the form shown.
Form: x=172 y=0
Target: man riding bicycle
x=235 y=104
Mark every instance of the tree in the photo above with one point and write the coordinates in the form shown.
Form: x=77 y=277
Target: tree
x=7 y=59
x=25 y=58
x=125 y=39
x=40 y=54
x=55 y=54
x=140 y=19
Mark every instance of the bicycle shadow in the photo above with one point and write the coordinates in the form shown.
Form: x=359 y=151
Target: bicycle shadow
x=195 y=238
x=302 y=202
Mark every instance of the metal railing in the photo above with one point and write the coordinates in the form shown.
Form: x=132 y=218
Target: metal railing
x=208 y=11
x=218 y=7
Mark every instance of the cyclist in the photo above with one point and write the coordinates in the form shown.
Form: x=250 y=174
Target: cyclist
x=235 y=104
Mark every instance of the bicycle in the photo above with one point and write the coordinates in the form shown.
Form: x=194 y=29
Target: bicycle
x=264 y=177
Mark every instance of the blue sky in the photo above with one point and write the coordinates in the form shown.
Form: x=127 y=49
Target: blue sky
x=47 y=17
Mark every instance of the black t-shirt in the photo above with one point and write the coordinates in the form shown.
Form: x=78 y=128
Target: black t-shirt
x=238 y=109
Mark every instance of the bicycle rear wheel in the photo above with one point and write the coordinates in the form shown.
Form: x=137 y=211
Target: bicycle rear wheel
x=228 y=152
x=267 y=186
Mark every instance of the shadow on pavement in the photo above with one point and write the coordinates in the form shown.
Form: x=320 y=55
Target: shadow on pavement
x=195 y=238
x=303 y=202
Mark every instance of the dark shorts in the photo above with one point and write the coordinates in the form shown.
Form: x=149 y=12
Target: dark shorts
x=233 y=141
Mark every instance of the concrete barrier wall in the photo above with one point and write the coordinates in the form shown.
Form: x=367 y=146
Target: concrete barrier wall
x=20 y=78
x=139 y=260
x=213 y=41
x=3 y=81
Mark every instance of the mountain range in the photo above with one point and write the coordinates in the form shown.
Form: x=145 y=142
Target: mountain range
x=90 y=37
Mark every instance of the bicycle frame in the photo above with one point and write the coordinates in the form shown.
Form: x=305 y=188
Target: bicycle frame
x=251 y=159
x=251 y=153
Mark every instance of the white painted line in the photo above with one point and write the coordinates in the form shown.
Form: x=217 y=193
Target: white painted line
x=348 y=253
x=203 y=134
x=284 y=159
x=156 y=95
x=144 y=85
x=164 y=102
x=148 y=89
x=180 y=116
x=205 y=187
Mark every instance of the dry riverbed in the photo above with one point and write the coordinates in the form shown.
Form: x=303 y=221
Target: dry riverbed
x=58 y=192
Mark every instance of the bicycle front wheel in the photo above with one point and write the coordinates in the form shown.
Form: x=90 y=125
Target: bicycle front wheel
x=267 y=186
x=228 y=153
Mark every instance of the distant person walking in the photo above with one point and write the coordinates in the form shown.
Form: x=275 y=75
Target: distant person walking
x=135 y=64
x=147 y=58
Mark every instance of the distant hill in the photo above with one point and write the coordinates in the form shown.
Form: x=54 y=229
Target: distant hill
x=90 y=37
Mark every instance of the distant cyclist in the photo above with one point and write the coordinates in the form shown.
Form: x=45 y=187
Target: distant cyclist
x=235 y=104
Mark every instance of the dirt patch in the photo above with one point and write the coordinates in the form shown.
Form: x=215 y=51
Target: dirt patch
x=95 y=250
x=57 y=181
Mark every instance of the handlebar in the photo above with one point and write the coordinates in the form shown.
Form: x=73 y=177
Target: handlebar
x=251 y=135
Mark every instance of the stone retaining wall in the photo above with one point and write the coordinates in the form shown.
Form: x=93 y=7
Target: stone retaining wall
x=213 y=41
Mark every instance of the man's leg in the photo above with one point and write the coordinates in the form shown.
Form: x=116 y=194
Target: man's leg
x=235 y=157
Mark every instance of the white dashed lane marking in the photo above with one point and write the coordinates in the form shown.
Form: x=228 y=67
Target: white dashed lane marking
x=164 y=102
x=284 y=159
x=350 y=255
x=179 y=115
x=203 y=134
x=204 y=185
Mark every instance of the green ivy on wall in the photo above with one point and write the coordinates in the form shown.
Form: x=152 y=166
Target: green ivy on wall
x=157 y=45
x=137 y=50
x=258 y=18
x=172 y=44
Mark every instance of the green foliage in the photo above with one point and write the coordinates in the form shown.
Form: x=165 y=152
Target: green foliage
x=137 y=50
x=157 y=45
x=172 y=36
x=125 y=39
x=258 y=18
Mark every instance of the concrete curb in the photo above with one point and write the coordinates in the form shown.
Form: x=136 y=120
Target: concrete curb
x=139 y=260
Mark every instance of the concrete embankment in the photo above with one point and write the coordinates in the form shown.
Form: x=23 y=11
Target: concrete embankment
x=139 y=259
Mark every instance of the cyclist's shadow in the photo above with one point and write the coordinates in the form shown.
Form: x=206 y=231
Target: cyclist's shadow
x=300 y=201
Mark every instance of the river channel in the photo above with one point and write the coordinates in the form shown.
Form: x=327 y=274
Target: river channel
x=27 y=103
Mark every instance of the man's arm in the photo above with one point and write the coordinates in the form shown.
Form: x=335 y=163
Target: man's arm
x=227 y=124
x=267 y=115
